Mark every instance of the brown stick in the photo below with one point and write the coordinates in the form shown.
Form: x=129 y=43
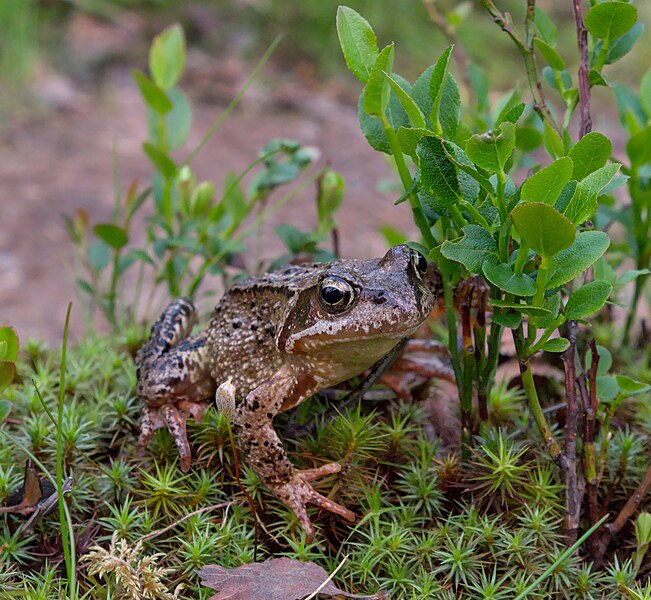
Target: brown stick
x=572 y=495
x=628 y=510
x=584 y=72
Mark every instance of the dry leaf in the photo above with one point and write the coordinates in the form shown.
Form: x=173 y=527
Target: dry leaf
x=275 y=579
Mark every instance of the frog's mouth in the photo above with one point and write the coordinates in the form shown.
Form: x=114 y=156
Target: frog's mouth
x=325 y=338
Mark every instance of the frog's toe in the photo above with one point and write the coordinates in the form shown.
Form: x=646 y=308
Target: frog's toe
x=196 y=409
x=330 y=505
x=318 y=472
x=298 y=492
x=176 y=424
x=151 y=420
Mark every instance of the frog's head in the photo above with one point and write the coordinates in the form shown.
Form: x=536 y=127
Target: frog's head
x=358 y=310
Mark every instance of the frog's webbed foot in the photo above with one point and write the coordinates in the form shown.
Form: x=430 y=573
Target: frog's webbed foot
x=297 y=492
x=172 y=378
x=175 y=420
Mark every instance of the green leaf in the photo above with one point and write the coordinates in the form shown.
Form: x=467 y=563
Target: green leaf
x=479 y=85
x=545 y=27
x=411 y=108
x=396 y=116
x=559 y=344
x=437 y=82
x=607 y=388
x=5 y=406
x=393 y=236
x=7 y=373
x=605 y=360
x=99 y=255
x=527 y=309
x=177 y=121
x=155 y=98
x=492 y=149
x=502 y=276
x=408 y=138
x=631 y=275
x=645 y=92
x=547 y=184
x=438 y=175
x=610 y=20
x=589 y=154
x=583 y=203
x=620 y=47
x=553 y=58
x=450 y=107
x=116 y=237
x=588 y=247
x=160 y=160
x=377 y=90
x=638 y=147
x=167 y=56
x=527 y=138
x=472 y=249
x=8 y=344
x=543 y=228
x=587 y=300
x=358 y=42
x=631 y=387
x=438 y=75
x=512 y=115
x=553 y=142
x=510 y=320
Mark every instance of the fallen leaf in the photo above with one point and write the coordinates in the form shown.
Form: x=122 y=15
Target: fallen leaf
x=275 y=579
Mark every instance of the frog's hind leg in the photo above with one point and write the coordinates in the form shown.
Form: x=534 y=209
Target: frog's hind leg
x=172 y=378
x=265 y=454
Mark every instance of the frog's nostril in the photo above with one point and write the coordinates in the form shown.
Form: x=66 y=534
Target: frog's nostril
x=378 y=298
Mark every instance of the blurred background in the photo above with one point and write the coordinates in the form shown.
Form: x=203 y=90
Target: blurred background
x=72 y=122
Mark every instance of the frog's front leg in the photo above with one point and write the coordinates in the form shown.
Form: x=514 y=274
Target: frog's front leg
x=172 y=377
x=265 y=453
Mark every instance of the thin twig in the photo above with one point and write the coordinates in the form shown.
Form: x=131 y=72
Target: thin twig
x=590 y=408
x=158 y=532
x=315 y=593
x=628 y=510
x=572 y=496
x=584 y=70
x=526 y=48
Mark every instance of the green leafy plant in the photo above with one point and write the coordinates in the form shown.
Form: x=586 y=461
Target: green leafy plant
x=194 y=231
x=534 y=243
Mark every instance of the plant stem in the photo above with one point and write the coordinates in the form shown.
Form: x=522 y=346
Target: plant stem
x=590 y=408
x=67 y=534
x=234 y=102
x=527 y=51
x=406 y=179
x=534 y=403
x=572 y=495
x=584 y=70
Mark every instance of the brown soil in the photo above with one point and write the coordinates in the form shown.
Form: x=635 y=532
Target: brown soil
x=58 y=162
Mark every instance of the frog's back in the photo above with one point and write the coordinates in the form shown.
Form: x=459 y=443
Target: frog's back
x=242 y=333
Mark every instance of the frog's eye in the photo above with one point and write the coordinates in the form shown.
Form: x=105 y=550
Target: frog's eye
x=419 y=262
x=335 y=294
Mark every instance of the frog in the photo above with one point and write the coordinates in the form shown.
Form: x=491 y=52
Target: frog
x=272 y=342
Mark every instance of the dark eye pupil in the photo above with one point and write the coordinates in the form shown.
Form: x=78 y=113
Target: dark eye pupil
x=421 y=263
x=332 y=294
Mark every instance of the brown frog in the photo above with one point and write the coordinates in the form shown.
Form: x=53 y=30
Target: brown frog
x=274 y=341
